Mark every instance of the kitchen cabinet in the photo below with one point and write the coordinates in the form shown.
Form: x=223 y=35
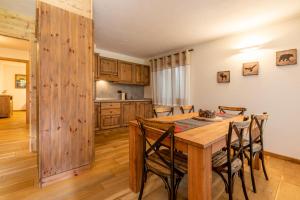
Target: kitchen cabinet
x=97 y=116
x=118 y=114
x=106 y=69
x=142 y=75
x=125 y=72
x=128 y=112
x=144 y=109
x=120 y=71
x=110 y=115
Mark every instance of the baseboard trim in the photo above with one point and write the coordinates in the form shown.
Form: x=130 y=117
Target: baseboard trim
x=286 y=158
x=64 y=175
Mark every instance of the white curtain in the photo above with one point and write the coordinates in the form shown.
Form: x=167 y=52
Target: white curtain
x=171 y=79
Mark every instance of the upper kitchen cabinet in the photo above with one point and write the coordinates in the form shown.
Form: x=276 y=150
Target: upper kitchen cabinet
x=121 y=71
x=106 y=69
x=126 y=72
x=142 y=75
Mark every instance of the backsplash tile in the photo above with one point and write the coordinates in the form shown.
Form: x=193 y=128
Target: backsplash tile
x=106 y=89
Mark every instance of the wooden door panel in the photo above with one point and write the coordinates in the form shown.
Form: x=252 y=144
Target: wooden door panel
x=65 y=92
x=148 y=110
x=108 y=66
x=139 y=74
x=128 y=113
x=126 y=72
x=110 y=121
x=146 y=75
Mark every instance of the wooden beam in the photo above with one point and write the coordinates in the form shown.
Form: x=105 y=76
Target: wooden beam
x=15 y=25
x=79 y=7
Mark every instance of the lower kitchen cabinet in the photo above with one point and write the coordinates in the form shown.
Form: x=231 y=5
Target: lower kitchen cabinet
x=110 y=121
x=113 y=115
x=97 y=116
x=128 y=112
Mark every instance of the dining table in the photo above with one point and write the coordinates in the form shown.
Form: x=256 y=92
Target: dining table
x=198 y=143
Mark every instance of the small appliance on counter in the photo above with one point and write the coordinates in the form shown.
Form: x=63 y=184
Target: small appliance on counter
x=123 y=95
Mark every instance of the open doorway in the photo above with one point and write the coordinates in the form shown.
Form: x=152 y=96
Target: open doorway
x=14 y=78
x=18 y=166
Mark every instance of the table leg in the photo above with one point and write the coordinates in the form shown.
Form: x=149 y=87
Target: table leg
x=199 y=173
x=135 y=159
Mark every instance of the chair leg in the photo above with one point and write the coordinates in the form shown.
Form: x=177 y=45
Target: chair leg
x=241 y=174
x=178 y=180
x=142 y=184
x=229 y=187
x=262 y=157
x=252 y=174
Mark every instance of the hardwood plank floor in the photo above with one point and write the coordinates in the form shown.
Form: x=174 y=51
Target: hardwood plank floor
x=108 y=179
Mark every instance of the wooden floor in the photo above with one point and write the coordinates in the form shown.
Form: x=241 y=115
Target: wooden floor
x=108 y=179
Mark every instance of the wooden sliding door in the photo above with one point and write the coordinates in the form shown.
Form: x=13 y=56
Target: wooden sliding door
x=65 y=48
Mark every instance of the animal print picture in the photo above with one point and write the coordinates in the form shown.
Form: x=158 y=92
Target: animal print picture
x=288 y=57
x=223 y=77
x=250 y=68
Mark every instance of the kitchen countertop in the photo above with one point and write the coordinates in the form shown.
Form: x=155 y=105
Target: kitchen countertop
x=119 y=100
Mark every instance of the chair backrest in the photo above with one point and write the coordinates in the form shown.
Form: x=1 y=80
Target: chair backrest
x=167 y=129
x=168 y=110
x=258 y=124
x=237 y=129
x=188 y=108
x=240 y=110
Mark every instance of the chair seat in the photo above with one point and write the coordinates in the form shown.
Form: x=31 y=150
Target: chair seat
x=255 y=146
x=155 y=164
x=220 y=158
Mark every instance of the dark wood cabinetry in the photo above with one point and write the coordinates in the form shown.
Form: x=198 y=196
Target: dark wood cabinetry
x=121 y=71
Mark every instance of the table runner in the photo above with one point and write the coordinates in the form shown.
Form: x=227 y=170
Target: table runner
x=187 y=124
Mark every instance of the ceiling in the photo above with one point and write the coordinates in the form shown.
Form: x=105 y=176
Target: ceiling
x=144 y=28
x=12 y=43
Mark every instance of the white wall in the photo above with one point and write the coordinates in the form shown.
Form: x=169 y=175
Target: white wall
x=7 y=82
x=13 y=53
x=275 y=90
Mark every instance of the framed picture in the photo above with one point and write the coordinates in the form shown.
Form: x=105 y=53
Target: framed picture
x=20 y=81
x=223 y=77
x=250 y=69
x=287 y=57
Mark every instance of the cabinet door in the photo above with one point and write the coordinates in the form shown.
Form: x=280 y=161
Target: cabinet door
x=146 y=75
x=140 y=109
x=108 y=66
x=128 y=113
x=125 y=72
x=139 y=74
x=97 y=116
x=107 y=69
x=148 y=109
x=110 y=121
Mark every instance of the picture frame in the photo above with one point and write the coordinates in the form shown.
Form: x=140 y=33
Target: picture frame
x=223 y=77
x=20 y=81
x=286 y=57
x=250 y=69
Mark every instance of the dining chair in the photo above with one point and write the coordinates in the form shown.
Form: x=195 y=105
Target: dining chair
x=187 y=108
x=240 y=110
x=166 y=163
x=225 y=162
x=254 y=146
x=167 y=110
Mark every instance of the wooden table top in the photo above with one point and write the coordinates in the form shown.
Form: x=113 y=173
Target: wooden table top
x=203 y=136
